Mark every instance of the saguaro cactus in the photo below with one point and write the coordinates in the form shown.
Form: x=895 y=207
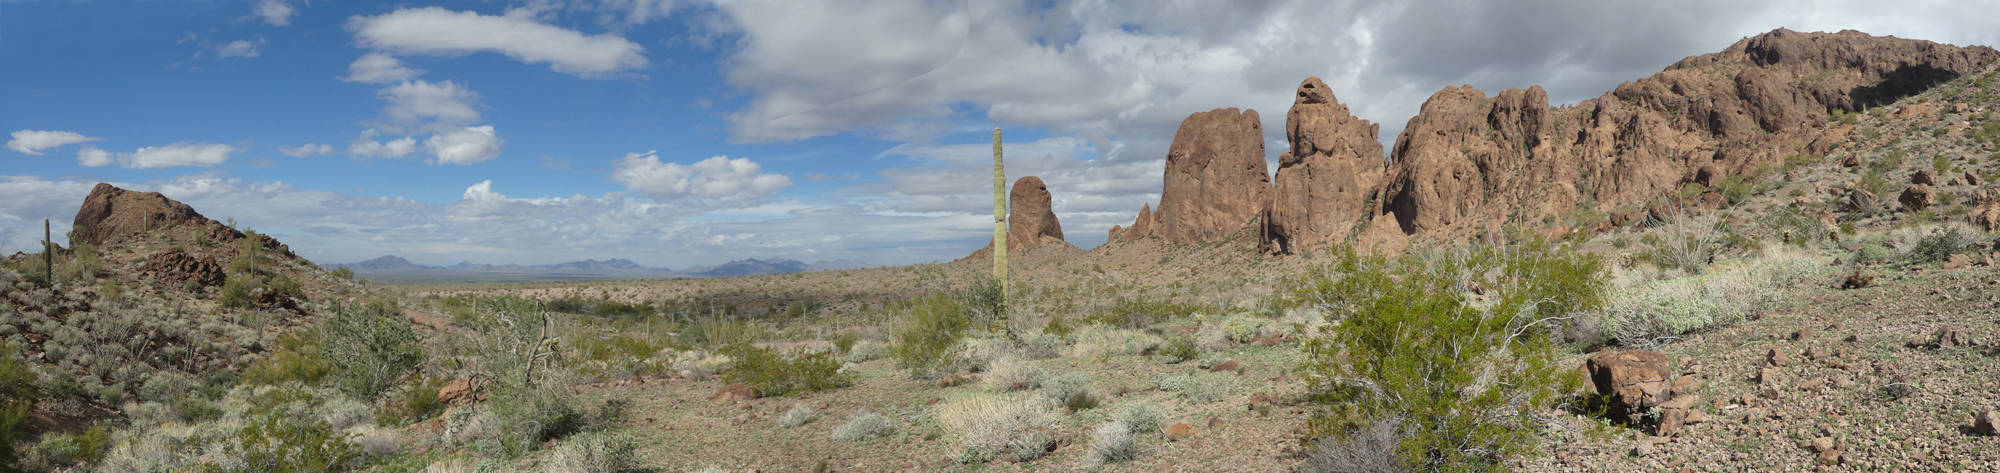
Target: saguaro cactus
x=999 y=217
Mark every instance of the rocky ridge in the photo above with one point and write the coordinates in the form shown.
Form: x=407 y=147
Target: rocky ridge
x=1471 y=166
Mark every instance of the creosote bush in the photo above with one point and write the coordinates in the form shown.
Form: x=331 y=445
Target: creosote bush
x=1465 y=375
x=775 y=374
x=865 y=425
x=372 y=347
x=928 y=339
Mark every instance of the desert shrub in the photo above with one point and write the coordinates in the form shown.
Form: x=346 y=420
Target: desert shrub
x=928 y=337
x=1939 y=242
x=712 y=331
x=278 y=439
x=1736 y=189
x=1139 y=417
x=57 y=450
x=372 y=347
x=299 y=357
x=344 y=273
x=863 y=426
x=866 y=350
x=288 y=287
x=1685 y=244
x=1793 y=227
x=413 y=403
x=1178 y=349
x=1113 y=442
x=1373 y=449
x=511 y=345
x=18 y=393
x=1405 y=342
x=1060 y=388
x=1243 y=328
x=1129 y=312
x=1098 y=340
x=775 y=374
x=82 y=265
x=800 y=414
x=991 y=427
x=1207 y=387
x=594 y=452
x=236 y=289
x=844 y=343
x=984 y=303
x=1043 y=347
x=249 y=254
x=1057 y=327
x=1006 y=374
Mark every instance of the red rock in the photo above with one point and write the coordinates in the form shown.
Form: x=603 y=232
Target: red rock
x=1777 y=358
x=1179 y=430
x=1143 y=226
x=733 y=393
x=1230 y=365
x=1635 y=380
x=176 y=266
x=460 y=391
x=1216 y=179
x=1924 y=176
x=1322 y=183
x=1917 y=197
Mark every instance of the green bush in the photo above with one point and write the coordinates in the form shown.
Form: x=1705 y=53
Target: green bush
x=1180 y=348
x=288 y=287
x=1735 y=189
x=343 y=272
x=279 y=442
x=57 y=450
x=415 y=403
x=249 y=254
x=927 y=341
x=1793 y=227
x=18 y=394
x=1939 y=244
x=236 y=290
x=864 y=426
x=774 y=374
x=1402 y=341
x=300 y=357
x=371 y=346
x=844 y=342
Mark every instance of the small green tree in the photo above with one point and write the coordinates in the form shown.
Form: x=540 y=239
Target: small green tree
x=371 y=346
x=1453 y=347
x=927 y=341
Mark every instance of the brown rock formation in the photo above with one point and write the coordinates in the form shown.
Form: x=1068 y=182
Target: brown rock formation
x=1917 y=197
x=175 y=266
x=1322 y=184
x=1216 y=179
x=1142 y=226
x=110 y=215
x=1030 y=220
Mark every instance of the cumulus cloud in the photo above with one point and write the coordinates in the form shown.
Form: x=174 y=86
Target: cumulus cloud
x=155 y=157
x=309 y=150
x=276 y=12
x=378 y=68
x=633 y=12
x=414 y=101
x=718 y=178
x=34 y=141
x=239 y=48
x=518 y=35
x=467 y=146
x=366 y=146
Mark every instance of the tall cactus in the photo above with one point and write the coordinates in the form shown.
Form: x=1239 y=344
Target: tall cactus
x=999 y=217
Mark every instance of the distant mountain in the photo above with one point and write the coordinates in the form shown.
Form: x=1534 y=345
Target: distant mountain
x=386 y=263
x=750 y=267
x=616 y=268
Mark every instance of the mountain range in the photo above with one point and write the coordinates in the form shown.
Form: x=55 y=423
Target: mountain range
x=393 y=267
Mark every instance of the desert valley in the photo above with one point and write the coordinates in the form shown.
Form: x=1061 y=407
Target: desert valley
x=1779 y=256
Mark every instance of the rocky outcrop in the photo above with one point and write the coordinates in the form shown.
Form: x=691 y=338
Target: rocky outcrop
x=1468 y=164
x=1321 y=189
x=110 y=215
x=1636 y=383
x=1216 y=179
x=175 y=266
x=1031 y=221
x=1142 y=226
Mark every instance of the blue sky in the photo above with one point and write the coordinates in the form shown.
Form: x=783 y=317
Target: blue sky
x=677 y=133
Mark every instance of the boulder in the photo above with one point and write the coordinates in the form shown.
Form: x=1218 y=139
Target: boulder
x=1986 y=216
x=1925 y=177
x=1322 y=184
x=1856 y=280
x=1216 y=179
x=1987 y=423
x=1972 y=178
x=1031 y=219
x=460 y=391
x=1635 y=381
x=1861 y=200
x=1917 y=197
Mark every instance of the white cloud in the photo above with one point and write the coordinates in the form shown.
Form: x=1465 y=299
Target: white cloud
x=366 y=146
x=378 y=68
x=634 y=12
x=470 y=145
x=34 y=141
x=719 y=178
x=239 y=48
x=276 y=12
x=309 y=150
x=155 y=157
x=413 y=101
x=437 y=31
